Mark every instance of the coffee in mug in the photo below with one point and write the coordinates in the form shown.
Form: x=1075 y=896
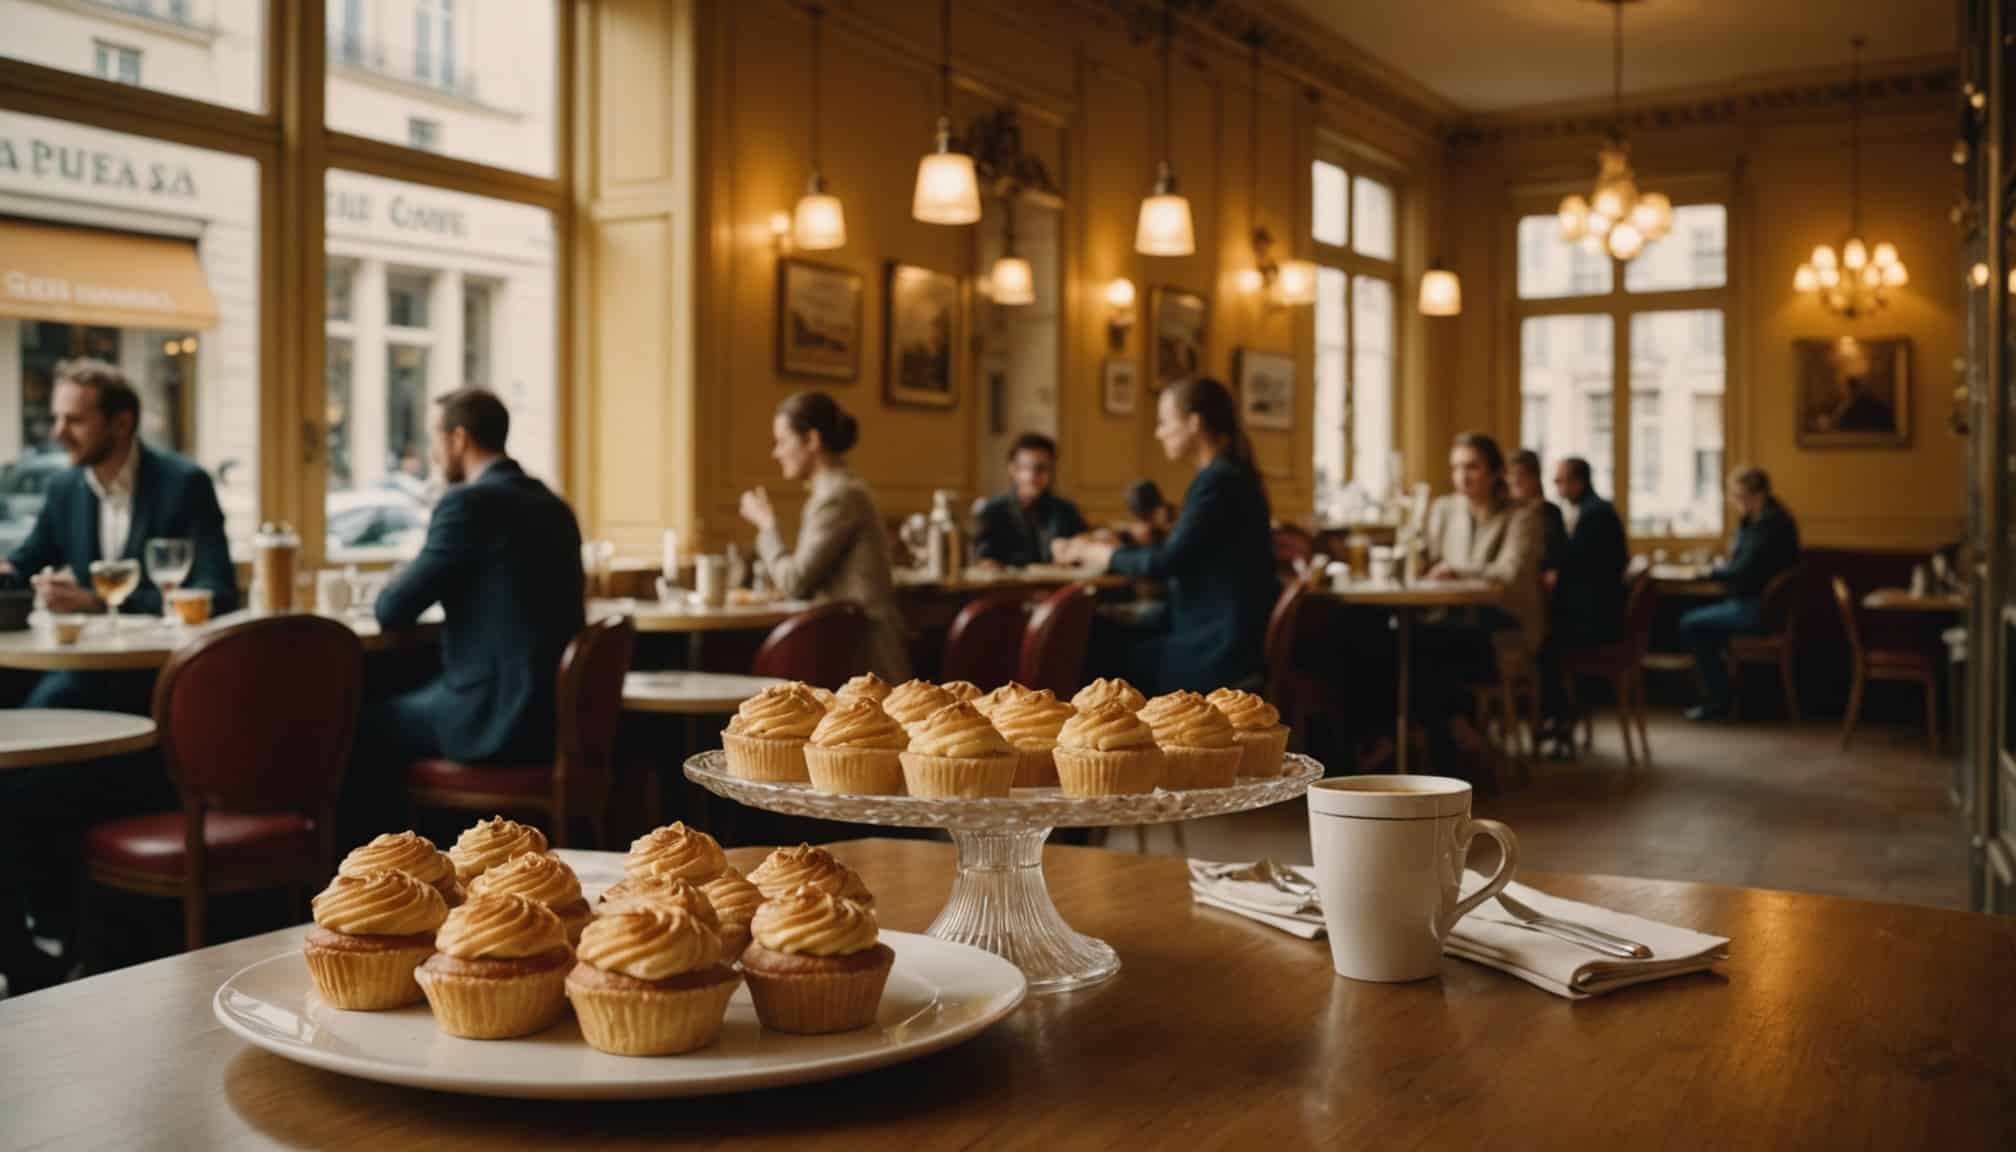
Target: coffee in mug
x=274 y=549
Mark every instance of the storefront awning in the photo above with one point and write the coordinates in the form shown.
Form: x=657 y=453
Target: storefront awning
x=117 y=279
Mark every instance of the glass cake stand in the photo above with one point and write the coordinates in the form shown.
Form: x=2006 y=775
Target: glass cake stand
x=999 y=900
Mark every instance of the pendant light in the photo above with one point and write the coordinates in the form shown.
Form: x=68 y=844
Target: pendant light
x=1011 y=281
x=1163 y=228
x=1616 y=218
x=947 y=191
x=818 y=222
x=1858 y=280
x=1441 y=293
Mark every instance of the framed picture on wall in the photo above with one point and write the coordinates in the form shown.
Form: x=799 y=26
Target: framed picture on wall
x=818 y=320
x=1266 y=389
x=1854 y=393
x=922 y=333
x=1180 y=321
x=1119 y=382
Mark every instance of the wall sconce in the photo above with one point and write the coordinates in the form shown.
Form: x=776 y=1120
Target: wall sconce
x=780 y=232
x=1119 y=312
x=1282 y=283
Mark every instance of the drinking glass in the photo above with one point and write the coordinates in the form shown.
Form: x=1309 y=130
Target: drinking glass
x=169 y=559
x=114 y=581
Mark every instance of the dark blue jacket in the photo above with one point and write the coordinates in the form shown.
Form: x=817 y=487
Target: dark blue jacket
x=172 y=497
x=1589 y=597
x=503 y=559
x=1218 y=565
x=1766 y=544
x=1017 y=539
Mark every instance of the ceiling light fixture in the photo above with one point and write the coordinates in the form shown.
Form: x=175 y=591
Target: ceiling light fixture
x=947 y=191
x=1616 y=217
x=1858 y=279
x=1011 y=281
x=819 y=222
x=1163 y=228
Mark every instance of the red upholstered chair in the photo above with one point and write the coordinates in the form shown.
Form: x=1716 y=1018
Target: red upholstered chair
x=821 y=646
x=587 y=701
x=1298 y=618
x=984 y=644
x=1055 y=643
x=1622 y=663
x=254 y=722
x=1292 y=546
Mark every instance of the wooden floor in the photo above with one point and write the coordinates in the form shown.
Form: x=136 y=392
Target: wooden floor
x=1753 y=805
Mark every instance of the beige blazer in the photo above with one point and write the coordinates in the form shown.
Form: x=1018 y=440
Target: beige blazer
x=843 y=554
x=1504 y=548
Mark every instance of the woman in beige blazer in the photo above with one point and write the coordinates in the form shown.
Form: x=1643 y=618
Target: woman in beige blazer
x=843 y=548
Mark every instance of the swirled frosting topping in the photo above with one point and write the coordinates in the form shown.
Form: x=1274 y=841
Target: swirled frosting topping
x=1012 y=690
x=961 y=690
x=914 y=700
x=1187 y=720
x=734 y=898
x=958 y=730
x=780 y=712
x=649 y=942
x=491 y=842
x=407 y=852
x=541 y=876
x=807 y=867
x=860 y=723
x=678 y=851
x=1104 y=691
x=1106 y=728
x=501 y=926
x=812 y=922
x=1032 y=721
x=382 y=903
x=1247 y=712
x=824 y=696
x=867 y=684
x=660 y=892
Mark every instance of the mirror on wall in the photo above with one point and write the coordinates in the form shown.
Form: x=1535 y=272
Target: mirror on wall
x=1016 y=360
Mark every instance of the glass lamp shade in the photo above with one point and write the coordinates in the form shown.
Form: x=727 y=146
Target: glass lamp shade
x=1854 y=254
x=947 y=191
x=1441 y=293
x=1120 y=293
x=1653 y=214
x=1894 y=276
x=819 y=222
x=1295 y=282
x=1574 y=218
x=1626 y=241
x=1249 y=281
x=1978 y=275
x=1164 y=226
x=1872 y=275
x=1823 y=256
x=1829 y=275
x=1610 y=201
x=1598 y=227
x=1012 y=281
x=1805 y=279
x=780 y=224
x=1885 y=254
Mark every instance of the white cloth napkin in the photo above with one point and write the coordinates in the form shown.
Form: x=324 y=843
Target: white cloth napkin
x=1491 y=936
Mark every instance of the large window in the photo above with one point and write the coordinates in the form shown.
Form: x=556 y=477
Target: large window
x=214 y=52
x=1354 y=224
x=1628 y=371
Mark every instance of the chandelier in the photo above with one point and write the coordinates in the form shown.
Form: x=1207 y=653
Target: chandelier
x=1856 y=280
x=1616 y=217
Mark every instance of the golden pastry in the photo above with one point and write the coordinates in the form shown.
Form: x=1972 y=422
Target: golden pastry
x=787 y=869
x=677 y=851
x=1012 y=690
x=766 y=741
x=826 y=697
x=1107 y=751
x=912 y=701
x=735 y=901
x=816 y=964
x=499 y=969
x=407 y=852
x=545 y=878
x=1030 y=723
x=1104 y=691
x=488 y=843
x=1263 y=739
x=961 y=690
x=867 y=684
x=650 y=982
x=857 y=749
x=371 y=931
x=1199 y=747
x=956 y=752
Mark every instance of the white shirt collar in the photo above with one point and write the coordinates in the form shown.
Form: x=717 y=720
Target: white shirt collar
x=122 y=483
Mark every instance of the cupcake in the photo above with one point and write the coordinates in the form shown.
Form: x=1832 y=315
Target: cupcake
x=867 y=684
x=1199 y=748
x=956 y=752
x=913 y=701
x=543 y=877
x=499 y=968
x=961 y=690
x=815 y=965
x=1012 y=690
x=825 y=697
x=735 y=901
x=766 y=740
x=1104 y=691
x=677 y=851
x=1263 y=739
x=857 y=749
x=491 y=842
x=1030 y=723
x=664 y=891
x=649 y=981
x=371 y=931
x=788 y=869
x=1107 y=751
x=407 y=852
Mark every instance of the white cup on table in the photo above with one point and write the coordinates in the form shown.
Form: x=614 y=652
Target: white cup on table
x=710 y=580
x=1390 y=853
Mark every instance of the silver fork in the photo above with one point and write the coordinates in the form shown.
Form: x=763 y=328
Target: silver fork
x=1594 y=939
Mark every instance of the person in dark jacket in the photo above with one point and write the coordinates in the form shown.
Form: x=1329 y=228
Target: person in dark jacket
x=1767 y=543
x=1589 y=596
x=1218 y=562
x=1018 y=527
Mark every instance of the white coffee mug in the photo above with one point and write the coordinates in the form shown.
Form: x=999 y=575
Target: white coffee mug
x=332 y=592
x=710 y=580
x=1390 y=852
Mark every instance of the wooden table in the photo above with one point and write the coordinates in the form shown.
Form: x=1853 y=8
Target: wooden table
x=1901 y=600
x=33 y=737
x=1035 y=577
x=1835 y=1024
x=694 y=621
x=690 y=693
x=1688 y=581
x=145 y=643
x=1405 y=600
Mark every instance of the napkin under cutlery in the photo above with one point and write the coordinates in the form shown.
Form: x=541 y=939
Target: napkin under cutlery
x=1490 y=935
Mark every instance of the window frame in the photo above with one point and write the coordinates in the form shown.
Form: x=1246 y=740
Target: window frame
x=1345 y=258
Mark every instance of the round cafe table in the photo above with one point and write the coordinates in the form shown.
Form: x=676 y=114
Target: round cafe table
x=33 y=737
x=694 y=620
x=1405 y=600
x=144 y=643
x=690 y=693
x=1902 y=600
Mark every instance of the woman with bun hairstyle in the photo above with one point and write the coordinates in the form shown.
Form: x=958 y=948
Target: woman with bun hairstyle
x=843 y=548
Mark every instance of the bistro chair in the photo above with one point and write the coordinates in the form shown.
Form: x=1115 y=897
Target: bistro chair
x=254 y=722
x=1055 y=643
x=1910 y=665
x=1296 y=625
x=1778 y=644
x=1293 y=549
x=588 y=702
x=821 y=646
x=1622 y=663
x=984 y=644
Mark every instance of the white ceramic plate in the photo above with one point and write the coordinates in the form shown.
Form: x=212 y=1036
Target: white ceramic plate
x=939 y=994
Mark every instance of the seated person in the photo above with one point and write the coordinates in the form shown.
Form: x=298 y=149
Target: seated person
x=1589 y=597
x=1018 y=527
x=1767 y=543
x=1152 y=515
x=1522 y=480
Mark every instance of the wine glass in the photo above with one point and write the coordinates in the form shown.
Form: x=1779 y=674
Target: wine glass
x=169 y=559
x=114 y=581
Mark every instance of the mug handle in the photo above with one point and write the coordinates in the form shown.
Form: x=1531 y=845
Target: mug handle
x=1508 y=847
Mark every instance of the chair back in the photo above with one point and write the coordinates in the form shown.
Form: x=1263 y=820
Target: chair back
x=1293 y=548
x=259 y=716
x=588 y=699
x=821 y=646
x=984 y=644
x=1281 y=637
x=1851 y=622
x=1779 y=604
x=1641 y=603
x=1054 y=645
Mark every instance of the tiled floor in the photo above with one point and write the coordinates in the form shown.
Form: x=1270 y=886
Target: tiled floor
x=1755 y=805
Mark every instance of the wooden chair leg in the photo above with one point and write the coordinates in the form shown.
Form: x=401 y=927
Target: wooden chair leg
x=195 y=915
x=1854 y=710
x=1621 y=687
x=1637 y=680
x=1931 y=685
x=1791 y=687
